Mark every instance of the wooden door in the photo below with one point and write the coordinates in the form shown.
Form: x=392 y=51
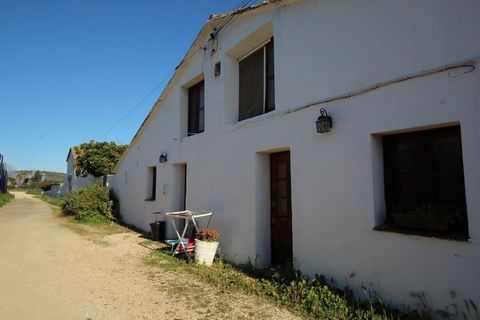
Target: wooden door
x=281 y=209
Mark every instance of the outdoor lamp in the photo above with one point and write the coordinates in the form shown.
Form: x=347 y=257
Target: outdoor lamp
x=324 y=122
x=163 y=157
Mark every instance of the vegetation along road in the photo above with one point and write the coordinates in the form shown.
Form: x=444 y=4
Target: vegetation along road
x=53 y=268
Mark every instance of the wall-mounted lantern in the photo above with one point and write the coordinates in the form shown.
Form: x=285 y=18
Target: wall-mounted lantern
x=163 y=157
x=324 y=122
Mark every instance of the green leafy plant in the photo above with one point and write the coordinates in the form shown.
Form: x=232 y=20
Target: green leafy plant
x=315 y=298
x=97 y=158
x=5 y=198
x=208 y=235
x=89 y=204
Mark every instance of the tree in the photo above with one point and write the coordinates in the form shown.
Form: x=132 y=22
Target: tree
x=12 y=182
x=37 y=176
x=98 y=158
x=23 y=177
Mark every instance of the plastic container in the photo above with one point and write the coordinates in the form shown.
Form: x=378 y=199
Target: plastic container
x=158 y=230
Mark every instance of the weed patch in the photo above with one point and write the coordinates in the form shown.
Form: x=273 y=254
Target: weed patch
x=95 y=232
x=33 y=192
x=309 y=297
x=57 y=202
x=5 y=198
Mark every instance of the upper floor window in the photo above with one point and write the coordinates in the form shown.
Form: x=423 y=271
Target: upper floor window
x=196 y=109
x=424 y=182
x=257 y=82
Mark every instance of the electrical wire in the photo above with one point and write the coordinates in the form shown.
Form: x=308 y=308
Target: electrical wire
x=233 y=17
x=221 y=27
x=214 y=36
x=241 y=5
x=138 y=104
x=467 y=65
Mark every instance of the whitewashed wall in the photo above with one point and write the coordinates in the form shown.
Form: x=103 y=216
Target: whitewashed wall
x=55 y=191
x=76 y=182
x=323 y=49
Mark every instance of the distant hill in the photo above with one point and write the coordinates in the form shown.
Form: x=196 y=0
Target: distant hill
x=55 y=176
x=49 y=175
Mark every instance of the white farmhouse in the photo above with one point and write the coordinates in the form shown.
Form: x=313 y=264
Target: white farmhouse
x=72 y=181
x=388 y=198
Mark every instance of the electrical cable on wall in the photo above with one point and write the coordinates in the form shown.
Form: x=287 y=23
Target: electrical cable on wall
x=214 y=35
x=469 y=63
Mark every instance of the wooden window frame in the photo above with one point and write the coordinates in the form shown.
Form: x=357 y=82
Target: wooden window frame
x=423 y=184
x=196 y=109
x=268 y=106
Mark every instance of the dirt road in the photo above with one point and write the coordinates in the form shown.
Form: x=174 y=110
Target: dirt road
x=47 y=271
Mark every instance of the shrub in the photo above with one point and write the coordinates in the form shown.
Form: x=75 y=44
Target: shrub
x=5 y=198
x=89 y=204
x=208 y=235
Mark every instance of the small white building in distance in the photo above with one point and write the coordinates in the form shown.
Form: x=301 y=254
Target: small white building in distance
x=72 y=181
x=386 y=195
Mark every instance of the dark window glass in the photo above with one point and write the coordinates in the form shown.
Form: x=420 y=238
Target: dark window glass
x=251 y=85
x=424 y=182
x=154 y=183
x=256 y=83
x=152 y=171
x=196 y=109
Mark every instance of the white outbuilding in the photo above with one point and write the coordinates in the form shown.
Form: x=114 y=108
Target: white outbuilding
x=72 y=181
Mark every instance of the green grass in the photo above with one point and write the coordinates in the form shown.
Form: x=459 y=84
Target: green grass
x=57 y=202
x=311 y=298
x=5 y=198
x=95 y=232
x=34 y=192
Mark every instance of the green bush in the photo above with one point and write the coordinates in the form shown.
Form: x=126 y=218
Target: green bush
x=89 y=204
x=5 y=198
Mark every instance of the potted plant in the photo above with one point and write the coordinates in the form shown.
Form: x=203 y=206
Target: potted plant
x=206 y=244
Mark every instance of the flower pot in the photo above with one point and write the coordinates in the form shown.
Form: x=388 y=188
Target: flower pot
x=205 y=251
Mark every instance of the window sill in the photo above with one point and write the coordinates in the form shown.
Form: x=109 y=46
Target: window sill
x=151 y=199
x=256 y=118
x=454 y=236
x=191 y=135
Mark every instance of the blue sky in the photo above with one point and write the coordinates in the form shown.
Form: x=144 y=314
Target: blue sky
x=71 y=69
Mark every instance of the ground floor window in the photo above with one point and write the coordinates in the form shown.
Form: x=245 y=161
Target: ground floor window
x=151 y=184
x=424 y=182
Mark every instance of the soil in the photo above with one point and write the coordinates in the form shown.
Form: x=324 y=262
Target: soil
x=48 y=271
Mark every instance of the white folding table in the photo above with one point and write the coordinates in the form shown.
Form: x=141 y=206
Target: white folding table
x=189 y=217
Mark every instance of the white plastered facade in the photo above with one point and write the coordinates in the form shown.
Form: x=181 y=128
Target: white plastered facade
x=323 y=49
